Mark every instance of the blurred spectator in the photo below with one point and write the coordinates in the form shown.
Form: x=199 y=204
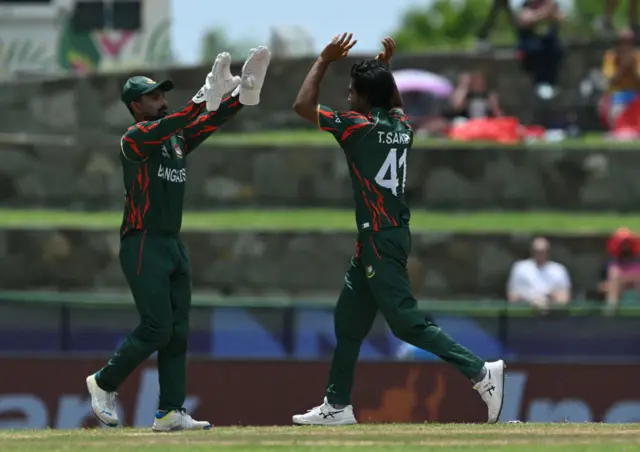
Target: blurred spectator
x=540 y=51
x=483 y=34
x=538 y=280
x=604 y=24
x=425 y=113
x=622 y=270
x=472 y=99
x=621 y=68
x=424 y=94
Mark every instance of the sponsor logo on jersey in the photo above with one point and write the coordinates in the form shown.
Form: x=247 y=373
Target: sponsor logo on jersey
x=199 y=97
x=176 y=176
x=370 y=271
x=394 y=138
x=178 y=151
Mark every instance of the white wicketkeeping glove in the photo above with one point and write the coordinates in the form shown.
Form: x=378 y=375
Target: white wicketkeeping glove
x=253 y=74
x=218 y=83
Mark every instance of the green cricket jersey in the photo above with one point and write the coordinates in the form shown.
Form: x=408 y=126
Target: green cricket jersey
x=376 y=147
x=154 y=164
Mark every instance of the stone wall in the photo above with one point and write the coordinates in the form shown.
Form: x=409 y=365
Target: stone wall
x=88 y=176
x=444 y=266
x=90 y=104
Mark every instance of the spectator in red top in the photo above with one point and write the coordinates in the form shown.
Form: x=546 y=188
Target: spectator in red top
x=623 y=269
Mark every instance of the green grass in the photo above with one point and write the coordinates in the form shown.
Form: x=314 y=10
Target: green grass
x=311 y=137
x=387 y=438
x=471 y=308
x=333 y=220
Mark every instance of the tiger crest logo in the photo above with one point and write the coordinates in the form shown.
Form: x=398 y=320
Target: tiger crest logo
x=178 y=151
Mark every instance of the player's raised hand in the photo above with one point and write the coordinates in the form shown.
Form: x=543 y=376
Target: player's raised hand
x=254 y=72
x=389 y=49
x=339 y=47
x=219 y=81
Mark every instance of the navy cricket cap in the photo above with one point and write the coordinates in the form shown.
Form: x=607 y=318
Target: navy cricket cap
x=137 y=86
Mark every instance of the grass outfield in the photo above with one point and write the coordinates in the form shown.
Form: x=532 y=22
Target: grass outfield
x=333 y=220
x=387 y=438
x=311 y=137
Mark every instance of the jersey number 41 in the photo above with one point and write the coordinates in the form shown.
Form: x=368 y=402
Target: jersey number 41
x=387 y=176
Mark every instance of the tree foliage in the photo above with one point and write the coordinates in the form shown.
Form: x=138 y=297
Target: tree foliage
x=455 y=23
x=216 y=40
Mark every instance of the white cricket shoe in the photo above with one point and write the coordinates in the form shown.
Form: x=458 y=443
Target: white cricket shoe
x=176 y=420
x=103 y=403
x=219 y=81
x=491 y=389
x=254 y=72
x=325 y=414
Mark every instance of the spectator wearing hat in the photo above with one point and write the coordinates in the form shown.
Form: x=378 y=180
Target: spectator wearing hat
x=622 y=270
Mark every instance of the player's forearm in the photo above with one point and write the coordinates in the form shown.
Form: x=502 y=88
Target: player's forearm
x=205 y=125
x=396 y=98
x=306 y=104
x=154 y=132
x=229 y=107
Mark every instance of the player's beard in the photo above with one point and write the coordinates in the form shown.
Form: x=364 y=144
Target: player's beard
x=159 y=115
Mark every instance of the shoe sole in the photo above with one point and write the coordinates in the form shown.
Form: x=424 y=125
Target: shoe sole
x=504 y=367
x=326 y=424
x=181 y=429
x=89 y=383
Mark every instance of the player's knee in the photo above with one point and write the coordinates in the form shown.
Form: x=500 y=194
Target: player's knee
x=350 y=336
x=347 y=331
x=402 y=331
x=416 y=334
x=157 y=336
x=163 y=337
x=180 y=335
x=408 y=330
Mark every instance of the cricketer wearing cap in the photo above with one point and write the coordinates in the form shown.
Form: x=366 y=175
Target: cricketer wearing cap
x=376 y=138
x=154 y=153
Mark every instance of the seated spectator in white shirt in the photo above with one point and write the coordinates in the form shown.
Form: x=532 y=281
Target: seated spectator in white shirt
x=539 y=281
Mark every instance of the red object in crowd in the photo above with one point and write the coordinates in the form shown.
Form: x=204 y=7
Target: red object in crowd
x=620 y=236
x=628 y=122
x=505 y=130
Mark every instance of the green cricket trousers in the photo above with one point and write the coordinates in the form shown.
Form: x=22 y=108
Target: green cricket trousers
x=157 y=269
x=378 y=281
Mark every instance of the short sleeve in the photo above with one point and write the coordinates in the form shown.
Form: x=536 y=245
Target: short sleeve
x=564 y=280
x=131 y=150
x=341 y=125
x=514 y=276
x=400 y=115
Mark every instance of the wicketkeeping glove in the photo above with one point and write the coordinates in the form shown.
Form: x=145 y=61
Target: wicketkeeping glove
x=253 y=74
x=219 y=82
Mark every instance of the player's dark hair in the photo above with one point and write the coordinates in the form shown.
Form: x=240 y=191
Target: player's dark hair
x=373 y=80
